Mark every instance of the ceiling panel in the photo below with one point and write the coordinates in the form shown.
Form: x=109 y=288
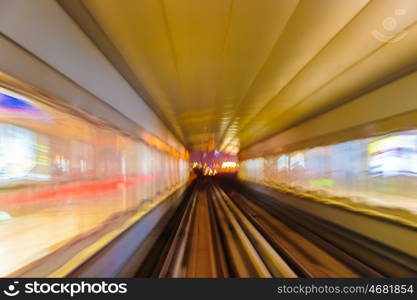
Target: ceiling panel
x=390 y=62
x=310 y=28
x=349 y=47
x=253 y=30
x=228 y=73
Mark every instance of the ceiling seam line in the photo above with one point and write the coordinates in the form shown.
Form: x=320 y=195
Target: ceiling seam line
x=174 y=53
x=226 y=38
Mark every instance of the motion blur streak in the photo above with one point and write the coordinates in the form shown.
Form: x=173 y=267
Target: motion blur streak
x=375 y=172
x=57 y=168
x=79 y=189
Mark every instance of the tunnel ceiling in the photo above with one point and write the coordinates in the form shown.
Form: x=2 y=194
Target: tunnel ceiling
x=224 y=73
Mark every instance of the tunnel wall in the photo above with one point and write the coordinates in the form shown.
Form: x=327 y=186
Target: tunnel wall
x=85 y=157
x=362 y=154
x=41 y=45
x=66 y=175
x=387 y=109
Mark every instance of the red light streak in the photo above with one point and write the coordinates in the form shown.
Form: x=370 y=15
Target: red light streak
x=78 y=189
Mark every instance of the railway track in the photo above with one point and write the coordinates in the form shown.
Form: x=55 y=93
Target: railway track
x=219 y=232
x=310 y=256
x=365 y=256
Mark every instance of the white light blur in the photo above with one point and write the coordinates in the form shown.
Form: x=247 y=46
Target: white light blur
x=283 y=162
x=229 y=164
x=17 y=152
x=297 y=160
x=393 y=156
x=4 y=216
